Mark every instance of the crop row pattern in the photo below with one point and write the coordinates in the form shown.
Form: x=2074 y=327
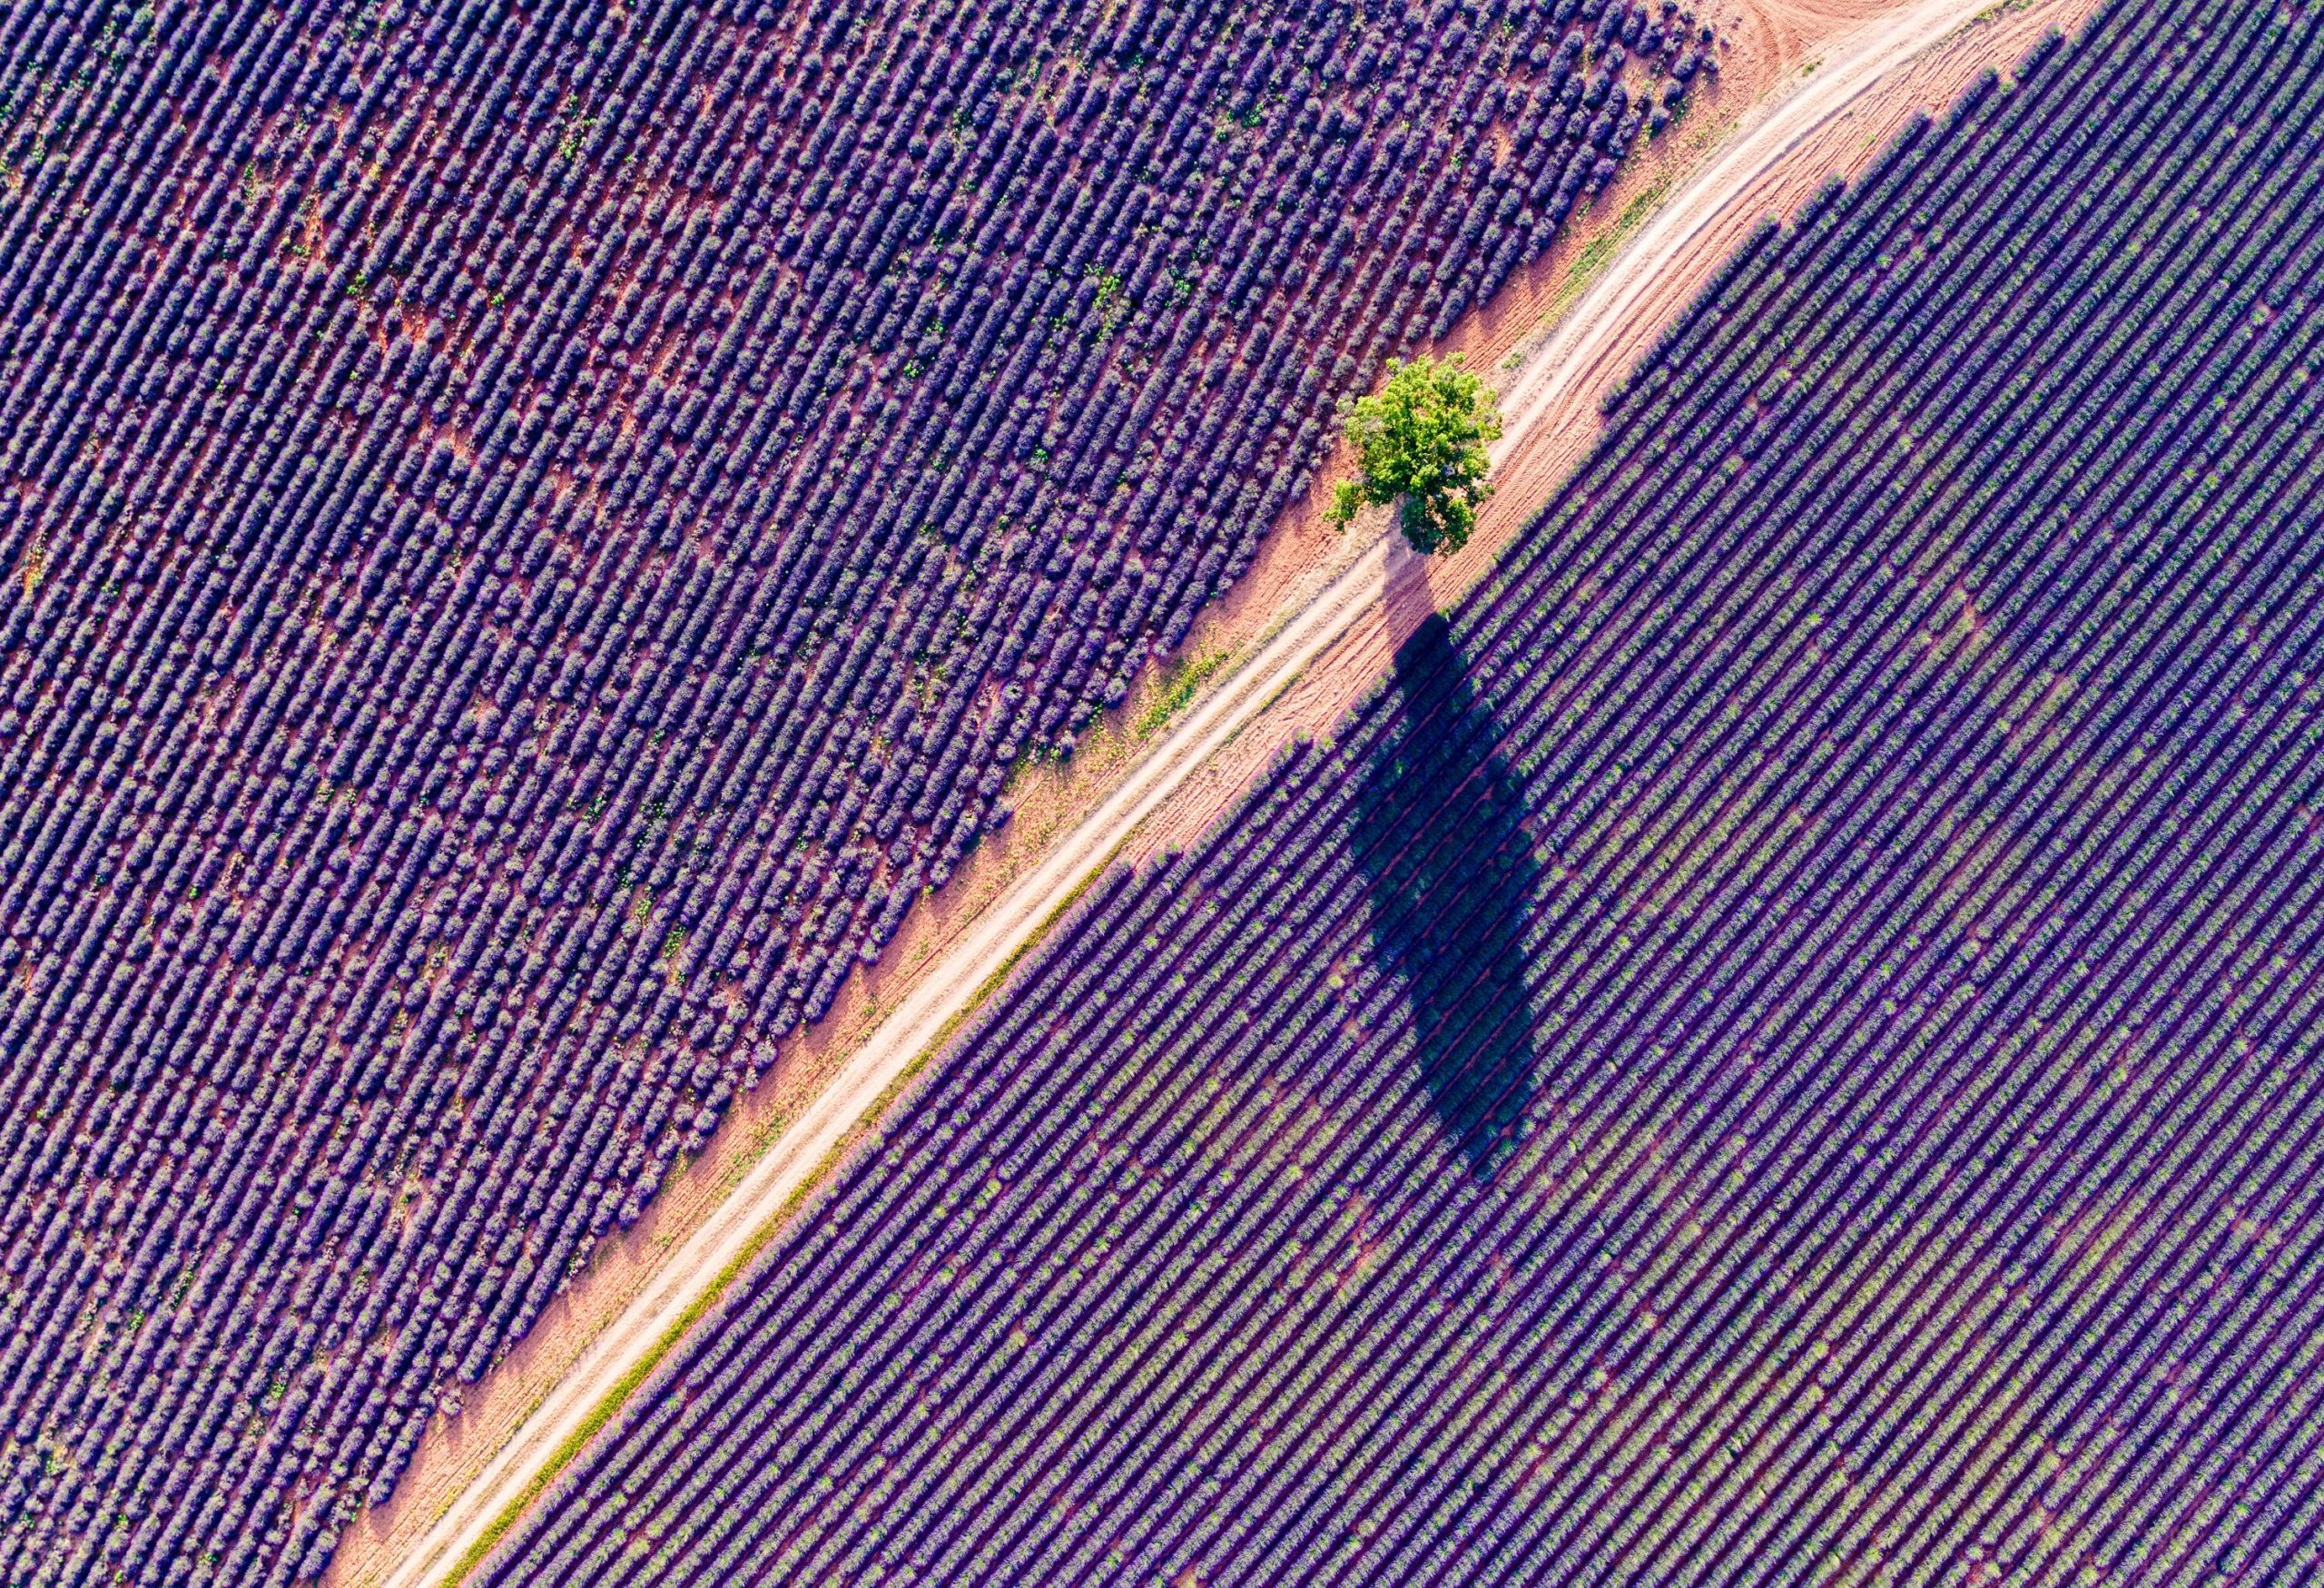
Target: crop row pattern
x=534 y=534
x=1782 y=1046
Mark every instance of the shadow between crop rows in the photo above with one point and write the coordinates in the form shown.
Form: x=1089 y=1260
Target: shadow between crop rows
x=1439 y=827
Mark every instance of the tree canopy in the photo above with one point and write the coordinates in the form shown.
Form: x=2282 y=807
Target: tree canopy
x=1421 y=440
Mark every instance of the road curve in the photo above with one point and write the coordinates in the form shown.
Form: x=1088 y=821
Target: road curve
x=615 y=1361
x=1780 y=127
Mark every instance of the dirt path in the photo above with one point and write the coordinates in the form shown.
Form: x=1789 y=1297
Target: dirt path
x=1347 y=604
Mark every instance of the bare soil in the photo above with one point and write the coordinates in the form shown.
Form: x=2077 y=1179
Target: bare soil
x=1769 y=44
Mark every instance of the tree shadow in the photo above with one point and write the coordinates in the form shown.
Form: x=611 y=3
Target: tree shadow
x=1438 y=826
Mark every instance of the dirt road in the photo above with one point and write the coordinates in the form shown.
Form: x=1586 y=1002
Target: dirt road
x=1550 y=406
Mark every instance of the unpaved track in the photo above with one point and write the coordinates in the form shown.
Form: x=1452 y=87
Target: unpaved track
x=1597 y=331
x=1591 y=335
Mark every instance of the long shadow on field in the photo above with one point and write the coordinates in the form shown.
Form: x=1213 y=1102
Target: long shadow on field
x=1438 y=830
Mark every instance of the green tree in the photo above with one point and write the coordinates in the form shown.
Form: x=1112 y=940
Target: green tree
x=1421 y=440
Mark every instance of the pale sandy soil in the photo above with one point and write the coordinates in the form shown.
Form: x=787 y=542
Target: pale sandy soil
x=1771 y=40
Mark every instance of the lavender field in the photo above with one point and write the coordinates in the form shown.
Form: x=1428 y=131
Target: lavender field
x=1782 y=1047
x=534 y=534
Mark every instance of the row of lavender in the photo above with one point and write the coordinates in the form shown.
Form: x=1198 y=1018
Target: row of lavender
x=534 y=532
x=1786 y=1047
